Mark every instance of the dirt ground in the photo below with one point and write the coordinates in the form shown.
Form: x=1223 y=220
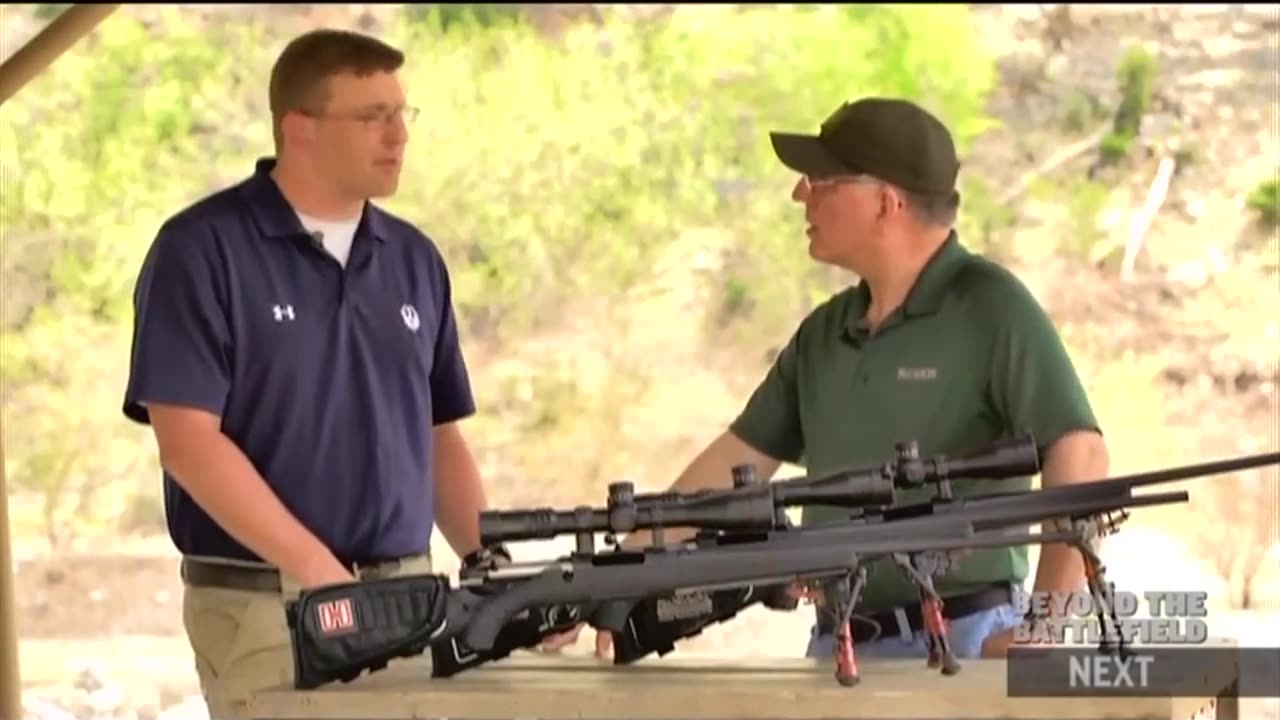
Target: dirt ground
x=89 y=596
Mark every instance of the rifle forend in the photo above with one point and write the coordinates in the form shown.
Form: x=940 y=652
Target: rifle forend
x=753 y=505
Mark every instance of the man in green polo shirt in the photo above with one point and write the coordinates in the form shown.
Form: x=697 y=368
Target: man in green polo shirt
x=934 y=344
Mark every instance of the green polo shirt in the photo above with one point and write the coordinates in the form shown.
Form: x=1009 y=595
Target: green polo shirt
x=968 y=358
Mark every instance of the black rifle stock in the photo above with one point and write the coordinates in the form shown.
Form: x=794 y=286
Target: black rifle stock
x=340 y=631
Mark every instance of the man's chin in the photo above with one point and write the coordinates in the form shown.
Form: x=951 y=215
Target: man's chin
x=824 y=256
x=384 y=189
x=819 y=253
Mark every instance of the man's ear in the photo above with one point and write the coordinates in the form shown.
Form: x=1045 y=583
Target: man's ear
x=298 y=128
x=890 y=201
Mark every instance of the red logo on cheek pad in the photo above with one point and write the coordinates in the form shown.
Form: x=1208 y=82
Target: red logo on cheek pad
x=336 y=616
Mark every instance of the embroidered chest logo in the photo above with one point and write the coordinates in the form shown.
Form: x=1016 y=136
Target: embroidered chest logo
x=917 y=374
x=282 y=312
x=410 y=317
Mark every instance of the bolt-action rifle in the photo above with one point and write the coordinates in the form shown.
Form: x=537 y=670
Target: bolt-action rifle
x=749 y=511
x=340 y=631
x=1082 y=513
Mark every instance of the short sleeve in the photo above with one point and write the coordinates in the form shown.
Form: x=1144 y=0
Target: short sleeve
x=180 y=353
x=1034 y=385
x=770 y=421
x=451 y=397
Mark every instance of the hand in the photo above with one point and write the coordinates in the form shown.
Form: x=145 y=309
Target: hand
x=555 y=643
x=559 y=641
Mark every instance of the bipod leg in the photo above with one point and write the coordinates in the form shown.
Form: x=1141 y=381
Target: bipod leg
x=1111 y=639
x=844 y=598
x=920 y=568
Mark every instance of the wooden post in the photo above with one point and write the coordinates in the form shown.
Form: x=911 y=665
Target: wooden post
x=56 y=38
x=19 y=69
x=10 y=678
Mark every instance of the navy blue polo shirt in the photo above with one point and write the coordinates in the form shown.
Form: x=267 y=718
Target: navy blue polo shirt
x=330 y=379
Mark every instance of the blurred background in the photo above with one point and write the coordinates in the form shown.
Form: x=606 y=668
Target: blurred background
x=626 y=259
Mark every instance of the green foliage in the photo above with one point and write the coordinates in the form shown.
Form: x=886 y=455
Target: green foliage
x=94 y=154
x=1136 y=77
x=1085 y=201
x=596 y=152
x=48 y=11
x=1265 y=200
x=616 y=182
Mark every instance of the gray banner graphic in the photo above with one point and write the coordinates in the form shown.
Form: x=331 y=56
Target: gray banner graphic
x=1145 y=671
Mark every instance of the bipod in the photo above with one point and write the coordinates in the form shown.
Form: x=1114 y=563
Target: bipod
x=921 y=568
x=1088 y=531
x=843 y=595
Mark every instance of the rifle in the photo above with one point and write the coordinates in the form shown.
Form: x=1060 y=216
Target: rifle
x=743 y=512
x=343 y=630
x=340 y=631
x=1089 y=512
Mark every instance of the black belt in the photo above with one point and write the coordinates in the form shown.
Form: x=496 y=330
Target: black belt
x=866 y=628
x=202 y=573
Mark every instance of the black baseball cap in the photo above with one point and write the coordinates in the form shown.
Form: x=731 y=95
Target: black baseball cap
x=893 y=140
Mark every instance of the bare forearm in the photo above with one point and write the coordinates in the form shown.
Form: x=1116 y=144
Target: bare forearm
x=221 y=479
x=459 y=492
x=1076 y=458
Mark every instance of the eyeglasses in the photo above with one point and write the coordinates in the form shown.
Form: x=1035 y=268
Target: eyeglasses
x=833 y=182
x=372 y=117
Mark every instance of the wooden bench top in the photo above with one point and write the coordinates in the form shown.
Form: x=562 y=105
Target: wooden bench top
x=700 y=688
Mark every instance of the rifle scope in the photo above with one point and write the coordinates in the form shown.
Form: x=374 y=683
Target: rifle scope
x=753 y=505
x=740 y=509
x=875 y=486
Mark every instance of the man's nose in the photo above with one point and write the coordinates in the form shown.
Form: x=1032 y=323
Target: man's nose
x=396 y=131
x=800 y=193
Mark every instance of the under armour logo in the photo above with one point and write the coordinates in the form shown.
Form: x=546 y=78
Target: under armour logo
x=410 y=317
x=282 y=312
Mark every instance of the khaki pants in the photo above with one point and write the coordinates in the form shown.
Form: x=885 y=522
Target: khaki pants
x=240 y=638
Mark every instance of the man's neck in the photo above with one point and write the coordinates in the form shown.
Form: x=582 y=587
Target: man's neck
x=309 y=200
x=892 y=282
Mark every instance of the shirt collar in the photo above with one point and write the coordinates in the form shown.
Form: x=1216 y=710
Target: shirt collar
x=276 y=218
x=926 y=295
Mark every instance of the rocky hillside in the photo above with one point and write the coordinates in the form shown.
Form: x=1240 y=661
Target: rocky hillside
x=1177 y=266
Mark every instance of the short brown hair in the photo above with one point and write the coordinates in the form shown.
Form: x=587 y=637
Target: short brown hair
x=298 y=79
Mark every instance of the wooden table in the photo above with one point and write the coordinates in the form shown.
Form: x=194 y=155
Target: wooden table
x=691 y=688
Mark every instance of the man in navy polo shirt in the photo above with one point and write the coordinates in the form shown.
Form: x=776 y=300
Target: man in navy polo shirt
x=296 y=354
